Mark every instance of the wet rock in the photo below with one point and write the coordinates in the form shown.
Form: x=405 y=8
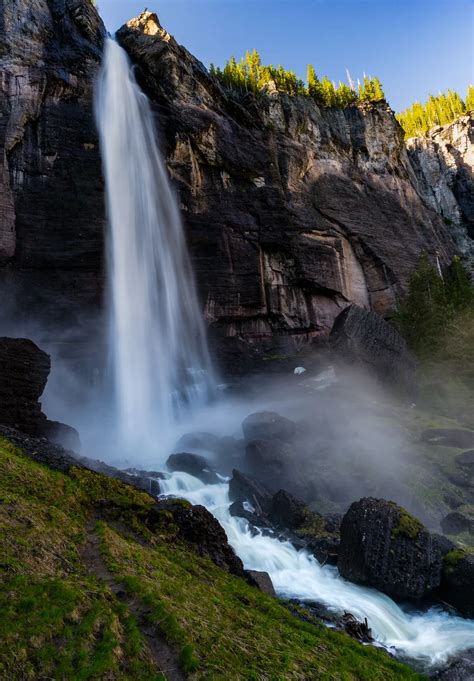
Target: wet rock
x=457 y=587
x=287 y=511
x=453 y=501
x=194 y=464
x=366 y=339
x=457 y=522
x=243 y=488
x=267 y=425
x=459 y=668
x=385 y=547
x=466 y=460
x=449 y=437
x=198 y=442
x=195 y=525
x=262 y=580
x=269 y=460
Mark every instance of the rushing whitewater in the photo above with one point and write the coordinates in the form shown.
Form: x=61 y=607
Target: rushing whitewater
x=431 y=637
x=158 y=344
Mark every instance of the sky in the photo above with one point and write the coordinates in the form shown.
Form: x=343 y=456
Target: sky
x=415 y=47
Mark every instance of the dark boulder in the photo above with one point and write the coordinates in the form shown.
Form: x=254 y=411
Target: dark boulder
x=457 y=586
x=24 y=371
x=270 y=460
x=457 y=522
x=262 y=580
x=385 y=547
x=198 y=442
x=244 y=509
x=364 y=338
x=61 y=434
x=449 y=437
x=243 y=488
x=196 y=526
x=194 y=464
x=287 y=511
x=459 y=668
x=466 y=459
x=267 y=425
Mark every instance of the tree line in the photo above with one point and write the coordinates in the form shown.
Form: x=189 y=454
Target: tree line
x=445 y=108
x=250 y=75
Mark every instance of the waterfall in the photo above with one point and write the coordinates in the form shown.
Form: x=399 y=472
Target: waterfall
x=430 y=637
x=159 y=356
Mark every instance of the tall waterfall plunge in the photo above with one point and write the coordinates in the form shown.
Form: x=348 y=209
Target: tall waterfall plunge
x=159 y=353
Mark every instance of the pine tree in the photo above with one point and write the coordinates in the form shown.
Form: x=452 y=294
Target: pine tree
x=470 y=98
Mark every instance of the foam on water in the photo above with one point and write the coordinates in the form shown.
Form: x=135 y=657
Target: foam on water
x=430 y=636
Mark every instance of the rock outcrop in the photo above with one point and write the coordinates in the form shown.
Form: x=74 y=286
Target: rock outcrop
x=24 y=371
x=194 y=464
x=364 y=338
x=292 y=211
x=458 y=582
x=51 y=188
x=384 y=547
x=443 y=162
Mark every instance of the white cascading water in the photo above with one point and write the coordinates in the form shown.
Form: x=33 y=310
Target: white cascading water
x=159 y=352
x=161 y=364
x=431 y=637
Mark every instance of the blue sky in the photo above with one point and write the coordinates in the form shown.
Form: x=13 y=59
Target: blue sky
x=415 y=47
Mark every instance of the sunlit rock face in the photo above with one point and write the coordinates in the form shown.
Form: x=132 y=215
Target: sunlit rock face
x=292 y=211
x=51 y=197
x=444 y=166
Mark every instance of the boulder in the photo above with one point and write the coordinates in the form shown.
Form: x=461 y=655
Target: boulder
x=196 y=526
x=457 y=522
x=449 y=437
x=198 y=442
x=262 y=580
x=24 y=371
x=385 y=547
x=287 y=511
x=194 y=464
x=269 y=460
x=457 y=586
x=466 y=460
x=267 y=425
x=364 y=338
x=459 y=668
x=243 y=488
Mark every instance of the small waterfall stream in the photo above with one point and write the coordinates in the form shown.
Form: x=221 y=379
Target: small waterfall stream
x=161 y=364
x=430 y=637
x=159 y=355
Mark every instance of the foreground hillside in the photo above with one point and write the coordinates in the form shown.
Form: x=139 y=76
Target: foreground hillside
x=89 y=589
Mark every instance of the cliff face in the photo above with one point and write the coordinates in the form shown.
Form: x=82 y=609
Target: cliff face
x=444 y=165
x=51 y=193
x=292 y=212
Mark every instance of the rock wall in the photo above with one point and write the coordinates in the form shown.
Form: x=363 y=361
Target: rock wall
x=292 y=212
x=51 y=191
x=443 y=162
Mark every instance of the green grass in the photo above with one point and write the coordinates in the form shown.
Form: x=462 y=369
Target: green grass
x=60 y=621
x=407 y=525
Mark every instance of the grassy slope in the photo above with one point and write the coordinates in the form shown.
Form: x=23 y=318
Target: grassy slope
x=61 y=619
